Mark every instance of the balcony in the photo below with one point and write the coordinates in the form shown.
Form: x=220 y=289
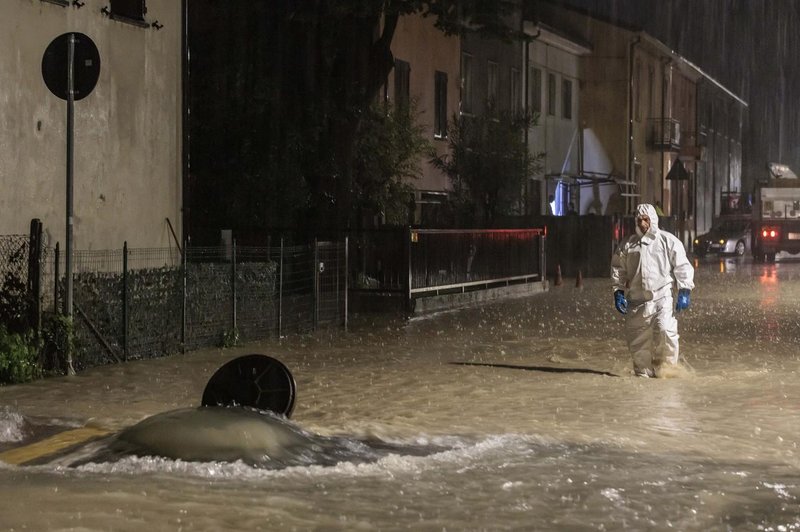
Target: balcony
x=665 y=134
x=693 y=146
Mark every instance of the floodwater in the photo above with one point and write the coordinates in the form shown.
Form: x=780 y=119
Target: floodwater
x=521 y=414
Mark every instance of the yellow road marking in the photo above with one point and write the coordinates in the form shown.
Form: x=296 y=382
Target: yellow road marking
x=51 y=445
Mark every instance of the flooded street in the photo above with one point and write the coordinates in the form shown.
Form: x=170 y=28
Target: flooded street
x=521 y=414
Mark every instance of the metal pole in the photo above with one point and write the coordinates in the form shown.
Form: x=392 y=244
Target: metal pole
x=543 y=257
x=280 y=295
x=409 y=286
x=56 y=272
x=70 y=162
x=183 y=302
x=125 y=300
x=336 y=282
x=316 y=285
x=233 y=287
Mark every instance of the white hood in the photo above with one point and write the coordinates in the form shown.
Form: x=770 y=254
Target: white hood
x=650 y=212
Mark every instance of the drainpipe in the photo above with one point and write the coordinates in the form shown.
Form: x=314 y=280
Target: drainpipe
x=631 y=49
x=665 y=88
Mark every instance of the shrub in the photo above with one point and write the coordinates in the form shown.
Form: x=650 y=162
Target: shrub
x=19 y=357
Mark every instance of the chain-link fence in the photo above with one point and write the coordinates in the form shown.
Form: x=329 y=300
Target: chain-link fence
x=143 y=303
x=14 y=295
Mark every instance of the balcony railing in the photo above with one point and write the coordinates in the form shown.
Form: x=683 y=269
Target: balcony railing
x=665 y=134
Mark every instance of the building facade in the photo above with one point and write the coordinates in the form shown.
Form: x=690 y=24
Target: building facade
x=641 y=99
x=127 y=131
x=426 y=72
x=552 y=88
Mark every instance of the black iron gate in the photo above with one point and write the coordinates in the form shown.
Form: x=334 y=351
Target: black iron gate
x=330 y=283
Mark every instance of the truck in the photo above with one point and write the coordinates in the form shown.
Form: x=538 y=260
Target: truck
x=776 y=214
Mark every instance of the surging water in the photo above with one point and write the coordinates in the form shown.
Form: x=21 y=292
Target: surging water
x=520 y=414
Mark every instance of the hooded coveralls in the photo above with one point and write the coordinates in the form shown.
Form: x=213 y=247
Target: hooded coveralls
x=644 y=267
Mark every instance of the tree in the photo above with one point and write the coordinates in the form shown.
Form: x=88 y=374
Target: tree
x=298 y=79
x=488 y=165
x=389 y=144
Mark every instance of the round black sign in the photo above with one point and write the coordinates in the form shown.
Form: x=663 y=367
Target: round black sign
x=86 y=67
x=257 y=381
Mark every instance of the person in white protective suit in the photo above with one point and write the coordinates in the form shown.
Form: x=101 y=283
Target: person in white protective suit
x=643 y=272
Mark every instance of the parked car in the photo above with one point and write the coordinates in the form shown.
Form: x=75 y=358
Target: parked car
x=731 y=236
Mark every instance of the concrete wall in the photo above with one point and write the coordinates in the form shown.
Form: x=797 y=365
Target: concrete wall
x=127 y=171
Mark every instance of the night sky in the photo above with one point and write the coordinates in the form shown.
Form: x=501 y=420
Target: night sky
x=750 y=46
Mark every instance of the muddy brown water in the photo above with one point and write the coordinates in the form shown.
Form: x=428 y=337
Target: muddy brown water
x=521 y=414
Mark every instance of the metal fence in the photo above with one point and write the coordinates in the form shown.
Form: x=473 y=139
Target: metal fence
x=415 y=263
x=442 y=260
x=143 y=303
x=14 y=294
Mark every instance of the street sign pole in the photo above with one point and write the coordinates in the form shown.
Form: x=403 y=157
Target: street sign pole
x=70 y=164
x=70 y=69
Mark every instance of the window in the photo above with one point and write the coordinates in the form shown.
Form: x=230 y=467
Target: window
x=551 y=94
x=535 y=89
x=467 y=103
x=491 y=86
x=402 y=76
x=129 y=9
x=516 y=92
x=566 y=99
x=440 y=106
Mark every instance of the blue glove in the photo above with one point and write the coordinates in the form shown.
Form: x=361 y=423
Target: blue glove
x=683 y=300
x=620 y=302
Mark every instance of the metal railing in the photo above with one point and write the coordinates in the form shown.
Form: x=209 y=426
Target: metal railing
x=447 y=260
x=409 y=264
x=665 y=133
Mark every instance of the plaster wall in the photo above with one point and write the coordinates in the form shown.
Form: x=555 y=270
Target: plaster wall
x=554 y=134
x=127 y=168
x=428 y=50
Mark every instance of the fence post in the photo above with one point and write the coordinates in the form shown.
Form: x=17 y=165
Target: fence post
x=233 y=287
x=409 y=279
x=316 y=285
x=346 y=277
x=543 y=256
x=35 y=276
x=280 y=295
x=56 y=273
x=125 y=301
x=183 y=299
